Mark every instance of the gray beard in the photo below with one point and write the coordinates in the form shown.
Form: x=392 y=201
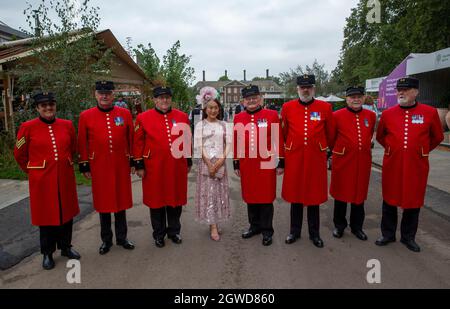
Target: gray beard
x=403 y=102
x=306 y=99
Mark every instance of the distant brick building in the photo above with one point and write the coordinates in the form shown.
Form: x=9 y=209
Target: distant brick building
x=230 y=91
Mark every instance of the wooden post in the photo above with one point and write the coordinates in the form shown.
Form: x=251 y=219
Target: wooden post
x=5 y=119
x=6 y=101
x=11 y=108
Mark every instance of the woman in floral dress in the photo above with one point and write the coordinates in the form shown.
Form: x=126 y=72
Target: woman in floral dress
x=212 y=142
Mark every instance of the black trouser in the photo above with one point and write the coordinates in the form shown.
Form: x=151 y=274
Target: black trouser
x=409 y=224
x=53 y=236
x=260 y=217
x=297 y=219
x=166 y=220
x=357 y=215
x=120 y=226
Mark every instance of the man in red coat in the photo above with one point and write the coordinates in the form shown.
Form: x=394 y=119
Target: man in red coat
x=257 y=144
x=162 y=146
x=307 y=128
x=44 y=150
x=408 y=132
x=105 y=135
x=352 y=162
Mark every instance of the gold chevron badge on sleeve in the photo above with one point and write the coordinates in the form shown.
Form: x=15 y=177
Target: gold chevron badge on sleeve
x=136 y=128
x=20 y=142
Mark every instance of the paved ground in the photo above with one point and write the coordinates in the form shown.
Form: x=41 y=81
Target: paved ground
x=18 y=238
x=237 y=263
x=12 y=191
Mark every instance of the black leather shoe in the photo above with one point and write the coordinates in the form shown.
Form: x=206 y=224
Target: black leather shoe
x=411 y=245
x=47 y=262
x=383 y=241
x=159 y=242
x=71 y=254
x=104 y=248
x=267 y=240
x=317 y=241
x=338 y=233
x=126 y=244
x=176 y=239
x=360 y=235
x=291 y=238
x=250 y=233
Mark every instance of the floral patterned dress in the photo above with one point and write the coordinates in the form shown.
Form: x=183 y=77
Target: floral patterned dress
x=212 y=203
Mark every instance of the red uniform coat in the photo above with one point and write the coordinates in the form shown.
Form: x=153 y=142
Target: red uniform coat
x=307 y=130
x=352 y=155
x=105 y=141
x=45 y=151
x=407 y=135
x=156 y=135
x=258 y=176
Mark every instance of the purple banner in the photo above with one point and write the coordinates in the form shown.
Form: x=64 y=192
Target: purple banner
x=387 y=96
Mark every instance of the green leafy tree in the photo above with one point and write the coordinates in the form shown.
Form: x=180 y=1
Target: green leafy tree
x=374 y=49
x=150 y=63
x=174 y=71
x=179 y=76
x=224 y=78
x=276 y=79
x=324 y=84
x=65 y=59
x=66 y=56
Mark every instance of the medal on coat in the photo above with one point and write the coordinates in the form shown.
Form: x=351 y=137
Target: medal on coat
x=315 y=116
x=366 y=123
x=174 y=122
x=118 y=121
x=417 y=119
x=262 y=123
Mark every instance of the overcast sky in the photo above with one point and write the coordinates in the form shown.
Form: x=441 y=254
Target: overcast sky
x=224 y=35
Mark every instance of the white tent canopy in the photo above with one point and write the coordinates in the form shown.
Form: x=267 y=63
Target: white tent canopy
x=333 y=98
x=321 y=98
